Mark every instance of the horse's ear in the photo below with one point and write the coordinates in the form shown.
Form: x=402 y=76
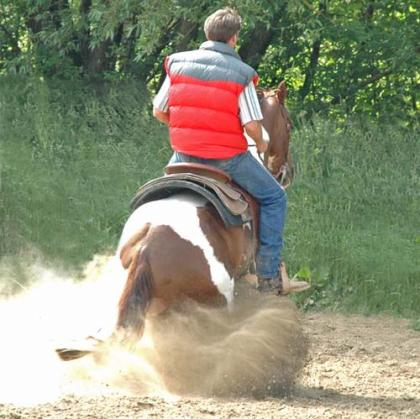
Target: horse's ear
x=282 y=92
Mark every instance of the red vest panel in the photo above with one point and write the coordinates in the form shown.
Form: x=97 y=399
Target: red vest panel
x=203 y=103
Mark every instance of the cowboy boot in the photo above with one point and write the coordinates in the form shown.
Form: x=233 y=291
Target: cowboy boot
x=281 y=284
x=288 y=285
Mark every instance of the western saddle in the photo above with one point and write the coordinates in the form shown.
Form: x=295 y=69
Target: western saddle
x=234 y=205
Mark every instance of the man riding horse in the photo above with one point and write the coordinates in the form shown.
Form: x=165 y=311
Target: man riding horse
x=207 y=100
x=192 y=235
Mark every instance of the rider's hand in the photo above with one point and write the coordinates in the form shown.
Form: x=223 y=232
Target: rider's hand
x=262 y=145
x=255 y=130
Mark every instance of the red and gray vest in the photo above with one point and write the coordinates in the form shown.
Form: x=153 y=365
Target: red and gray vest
x=203 y=100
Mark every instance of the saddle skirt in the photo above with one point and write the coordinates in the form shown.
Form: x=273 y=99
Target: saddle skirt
x=234 y=205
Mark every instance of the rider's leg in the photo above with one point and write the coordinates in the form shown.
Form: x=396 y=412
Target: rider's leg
x=185 y=158
x=248 y=173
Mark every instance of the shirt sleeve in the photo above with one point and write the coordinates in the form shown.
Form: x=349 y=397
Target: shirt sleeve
x=161 y=100
x=249 y=106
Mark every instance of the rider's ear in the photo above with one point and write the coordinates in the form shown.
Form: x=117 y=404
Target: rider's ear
x=282 y=92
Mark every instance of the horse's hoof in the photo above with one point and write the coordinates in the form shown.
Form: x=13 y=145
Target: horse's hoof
x=66 y=354
x=79 y=349
x=252 y=279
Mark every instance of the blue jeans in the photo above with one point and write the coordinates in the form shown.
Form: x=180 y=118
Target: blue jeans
x=252 y=176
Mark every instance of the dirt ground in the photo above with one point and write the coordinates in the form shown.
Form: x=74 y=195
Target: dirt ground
x=357 y=367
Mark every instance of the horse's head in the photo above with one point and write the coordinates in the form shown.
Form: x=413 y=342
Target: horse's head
x=278 y=125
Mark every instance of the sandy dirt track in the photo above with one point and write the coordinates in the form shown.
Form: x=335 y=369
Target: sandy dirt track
x=358 y=367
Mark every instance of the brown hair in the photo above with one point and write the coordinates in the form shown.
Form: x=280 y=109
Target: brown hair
x=222 y=25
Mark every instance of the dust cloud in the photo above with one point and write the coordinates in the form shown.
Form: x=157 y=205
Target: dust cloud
x=255 y=349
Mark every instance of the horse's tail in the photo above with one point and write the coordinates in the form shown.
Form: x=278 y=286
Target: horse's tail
x=133 y=303
x=138 y=291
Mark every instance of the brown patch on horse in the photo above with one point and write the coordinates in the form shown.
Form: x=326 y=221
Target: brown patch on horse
x=232 y=246
x=180 y=269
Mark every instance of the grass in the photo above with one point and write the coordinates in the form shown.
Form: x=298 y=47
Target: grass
x=354 y=216
x=73 y=155
x=70 y=165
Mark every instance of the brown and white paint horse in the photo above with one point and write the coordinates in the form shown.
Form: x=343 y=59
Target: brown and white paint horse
x=179 y=248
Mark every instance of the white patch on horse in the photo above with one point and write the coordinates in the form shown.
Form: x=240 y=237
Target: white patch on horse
x=179 y=212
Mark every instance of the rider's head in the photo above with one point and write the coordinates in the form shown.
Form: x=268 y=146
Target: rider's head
x=223 y=26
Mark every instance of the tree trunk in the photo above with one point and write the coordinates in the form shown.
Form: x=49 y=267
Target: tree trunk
x=311 y=70
x=255 y=45
x=187 y=32
x=84 y=36
x=50 y=14
x=94 y=60
x=413 y=94
x=98 y=61
x=313 y=60
x=368 y=13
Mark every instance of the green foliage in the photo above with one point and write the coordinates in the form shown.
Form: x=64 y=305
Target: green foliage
x=337 y=57
x=350 y=55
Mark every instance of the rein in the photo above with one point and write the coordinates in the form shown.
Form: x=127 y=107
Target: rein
x=258 y=153
x=281 y=175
